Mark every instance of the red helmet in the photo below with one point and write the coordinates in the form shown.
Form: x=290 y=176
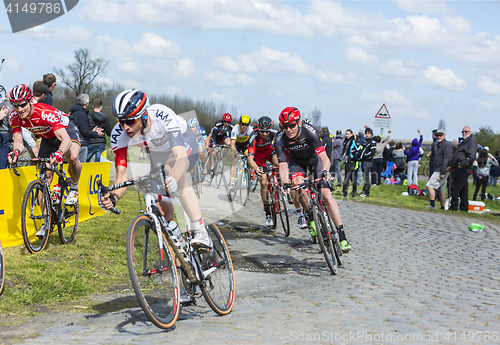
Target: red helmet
x=227 y=117
x=289 y=114
x=20 y=92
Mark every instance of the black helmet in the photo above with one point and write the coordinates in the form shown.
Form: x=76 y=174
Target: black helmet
x=264 y=123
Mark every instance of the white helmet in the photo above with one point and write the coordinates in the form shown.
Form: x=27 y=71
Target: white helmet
x=130 y=104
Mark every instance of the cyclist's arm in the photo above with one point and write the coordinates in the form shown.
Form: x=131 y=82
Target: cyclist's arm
x=181 y=162
x=18 y=145
x=283 y=167
x=121 y=176
x=324 y=160
x=252 y=164
x=233 y=145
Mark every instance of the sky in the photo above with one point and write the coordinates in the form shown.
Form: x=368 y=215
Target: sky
x=425 y=60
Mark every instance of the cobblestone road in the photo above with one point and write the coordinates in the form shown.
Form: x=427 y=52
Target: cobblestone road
x=412 y=278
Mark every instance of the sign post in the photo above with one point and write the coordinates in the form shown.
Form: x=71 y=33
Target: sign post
x=382 y=119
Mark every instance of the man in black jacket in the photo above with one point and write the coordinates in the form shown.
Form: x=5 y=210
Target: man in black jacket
x=461 y=167
x=98 y=120
x=366 y=159
x=442 y=158
x=79 y=116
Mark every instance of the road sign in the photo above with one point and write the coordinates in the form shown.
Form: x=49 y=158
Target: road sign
x=382 y=118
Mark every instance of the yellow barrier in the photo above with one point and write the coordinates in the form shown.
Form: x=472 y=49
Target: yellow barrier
x=13 y=188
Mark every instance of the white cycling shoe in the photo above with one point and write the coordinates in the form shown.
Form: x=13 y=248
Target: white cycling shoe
x=72 y=197
x=202 y=240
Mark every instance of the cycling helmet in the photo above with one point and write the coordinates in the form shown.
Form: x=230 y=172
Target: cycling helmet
x=289 y=114
x=244 y=120
x=193 y=122
x=20 y=92
x=130 y=104
x=306 y=120
x=227 y=117
x=264 y=123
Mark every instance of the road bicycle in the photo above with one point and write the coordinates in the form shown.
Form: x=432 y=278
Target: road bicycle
x=277 y=200
x=43 y=209
x=198 y=177
x=2 y=268
x=218 y=166
x=241 y=181
x=254 y=179
x=160 y=259
x=325 y=231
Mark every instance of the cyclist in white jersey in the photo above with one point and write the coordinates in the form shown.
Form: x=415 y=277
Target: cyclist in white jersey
x=239 y=143
x=166 y=137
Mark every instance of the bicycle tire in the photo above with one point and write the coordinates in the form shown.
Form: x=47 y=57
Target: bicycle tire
x=3 y=92
x=244 y=186
x=254 y=180
x=197 y=184
x=325 y=239
x=285 y=222
x=219 y=287
x=220 y=170
x=2 y=268
x=274 y=208
x=336 y=243
x=156 y=289
x=232 y=193
x=67 y=224
x=32 y=220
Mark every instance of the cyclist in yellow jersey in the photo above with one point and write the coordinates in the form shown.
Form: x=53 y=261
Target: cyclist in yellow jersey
x=239 y=143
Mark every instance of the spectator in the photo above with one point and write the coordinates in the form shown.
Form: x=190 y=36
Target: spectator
x=412 y=153
x=460 y=167
x=327 y=141
x=366 y=159
x=442 y=157
x=398 y=156
x=79 y=116
x=50 y=81
x=494 y=171
x=5 y=132
x=361 y=143
x=40 y=91
x=337 y=156
x=350 y=153
x=432 y=153
x=484 y=163
x=389 y=160
x=378 y=161
x=98 y=120
x=454 y=144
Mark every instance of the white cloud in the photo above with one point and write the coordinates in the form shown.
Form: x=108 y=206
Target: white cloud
x=332 y=77
x=434 y=7
x=266 y=60
x=11 y=62
x=397 y=68
x=172 y=90
x=444 y=78
x=394 y=97
x=184 y=68
x=359 y=55
x=226 y=79
x=487 y=85
x=153 y=45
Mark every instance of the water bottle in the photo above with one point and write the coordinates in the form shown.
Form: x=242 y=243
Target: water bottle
x=56 y=195
x=172 y=226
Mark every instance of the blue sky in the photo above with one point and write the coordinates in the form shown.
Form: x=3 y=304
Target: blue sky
x=426 y=60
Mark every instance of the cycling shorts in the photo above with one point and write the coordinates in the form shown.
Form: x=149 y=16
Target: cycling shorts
x=241 y=147
x=49 y=146
x=300 y=168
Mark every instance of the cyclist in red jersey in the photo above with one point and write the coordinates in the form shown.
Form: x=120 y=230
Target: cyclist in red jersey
x=299 y=145
x=59 y=136
x=260 y=150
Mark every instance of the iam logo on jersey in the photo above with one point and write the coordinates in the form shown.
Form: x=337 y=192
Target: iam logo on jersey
x=26 y=14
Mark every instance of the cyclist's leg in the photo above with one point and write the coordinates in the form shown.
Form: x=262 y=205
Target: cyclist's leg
x=74 y=166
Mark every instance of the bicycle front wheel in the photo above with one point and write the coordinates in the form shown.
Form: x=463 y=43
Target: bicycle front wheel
x=218 y=288
x=68 y=219
x=35 y=216
x=197 y=184
x=253 y=180
x=244 y=186
x=219 y=172
x=285 y=222
x=336 y=242
x=153 y=273
x=325 y=239
x=2 y=268
x=274 y=207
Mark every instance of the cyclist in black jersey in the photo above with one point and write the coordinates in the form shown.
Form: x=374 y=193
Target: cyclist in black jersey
x=220 y=135
x=299 y=144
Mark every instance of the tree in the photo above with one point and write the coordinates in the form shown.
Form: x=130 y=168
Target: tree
x=442 y=125
x=487 y=137
x=82 y=72
x=315 y=117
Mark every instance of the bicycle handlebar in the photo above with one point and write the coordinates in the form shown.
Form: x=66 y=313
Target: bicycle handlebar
x=13 y=166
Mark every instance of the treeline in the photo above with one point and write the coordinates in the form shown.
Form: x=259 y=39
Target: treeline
x=207 y=112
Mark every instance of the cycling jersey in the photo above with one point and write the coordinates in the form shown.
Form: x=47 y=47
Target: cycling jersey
x=166 y=130
x=261 y=149
x=44 y=121
x=303 y=148
x=241 y=137
x=200 y=135
x=219 y=132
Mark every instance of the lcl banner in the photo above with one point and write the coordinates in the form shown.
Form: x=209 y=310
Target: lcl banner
x=25 y=14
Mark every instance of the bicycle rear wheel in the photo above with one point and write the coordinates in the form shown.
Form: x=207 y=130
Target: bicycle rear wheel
x=325 y=239
x=197 y=182
x=336 y=242
x=2 y=268
x=153 y=273
x=68 y=219
x=35 y=213
x=285 y=222
x=274 y=207
x=253 y=180
x=218 y=288
x=219 y=172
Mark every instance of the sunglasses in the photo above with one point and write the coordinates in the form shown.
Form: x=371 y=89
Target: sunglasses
x=22 y=105
x=128 y=122
x=465 y=131
x=290 y=126
x=439 y=135
x=226 y=122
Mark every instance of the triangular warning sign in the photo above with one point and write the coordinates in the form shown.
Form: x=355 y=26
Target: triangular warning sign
x=383 y=113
